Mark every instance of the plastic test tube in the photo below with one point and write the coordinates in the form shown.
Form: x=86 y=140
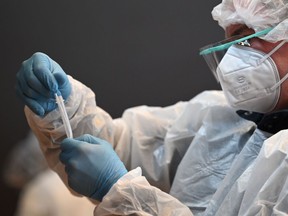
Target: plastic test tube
x=64 y=116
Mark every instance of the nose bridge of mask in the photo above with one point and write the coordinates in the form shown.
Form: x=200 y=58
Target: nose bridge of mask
x=239 y=58
x=253 y=58
x=241 y=68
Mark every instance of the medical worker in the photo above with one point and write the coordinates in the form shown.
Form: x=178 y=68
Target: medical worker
x=221 y=153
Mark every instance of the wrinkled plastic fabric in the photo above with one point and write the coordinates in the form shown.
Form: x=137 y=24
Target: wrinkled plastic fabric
x=261 y=188
x=256 y=14
x=268 y=195
x=124 y=197
x=246 y=156
x=186 y=149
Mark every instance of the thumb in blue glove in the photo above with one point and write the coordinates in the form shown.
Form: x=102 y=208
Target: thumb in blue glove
x=38 y=79
x=91 y=164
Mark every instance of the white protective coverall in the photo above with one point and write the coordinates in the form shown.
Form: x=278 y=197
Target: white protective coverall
x=186 y=150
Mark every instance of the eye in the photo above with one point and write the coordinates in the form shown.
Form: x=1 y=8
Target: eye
x=240 y=31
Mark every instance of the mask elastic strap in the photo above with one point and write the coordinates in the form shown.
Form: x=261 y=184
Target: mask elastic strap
x=279 y=83
x=272 y=52
x=283 y=78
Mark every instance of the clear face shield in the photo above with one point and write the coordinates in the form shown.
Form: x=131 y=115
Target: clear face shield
x=214 y=53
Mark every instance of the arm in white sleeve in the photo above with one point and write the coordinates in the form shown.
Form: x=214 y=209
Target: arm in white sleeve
x=133 y=195
x=85 y=118
x=137 y=137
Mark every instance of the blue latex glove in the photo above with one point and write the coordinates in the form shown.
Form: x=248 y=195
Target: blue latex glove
x=38 y=79
x=91 y=164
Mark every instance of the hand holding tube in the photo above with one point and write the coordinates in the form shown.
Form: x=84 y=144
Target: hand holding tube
x=92 y=165
x=38 y=79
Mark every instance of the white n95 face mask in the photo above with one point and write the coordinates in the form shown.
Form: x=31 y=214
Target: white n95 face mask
x=250 y=79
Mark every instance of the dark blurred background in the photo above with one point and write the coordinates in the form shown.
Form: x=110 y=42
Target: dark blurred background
x=130 y=52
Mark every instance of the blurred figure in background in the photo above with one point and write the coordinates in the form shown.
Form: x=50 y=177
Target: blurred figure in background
x=42 y=192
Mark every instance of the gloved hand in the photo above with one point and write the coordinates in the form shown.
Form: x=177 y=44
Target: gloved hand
x=91 y=164
x=38 y=79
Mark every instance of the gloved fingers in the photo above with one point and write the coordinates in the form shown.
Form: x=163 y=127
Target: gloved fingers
x=69 y=144
x=66 y=158
x=23 y=86
x=72 y=146
x=70 y=168
x=61 y=78
x=87 y=138
x=92 y=140
x=68 y=147
x=28 y=94
x=35 y=75
x=56 y=68
x=42 y=70
x=46 y=80
x=70 y=154
x=32 y=104
x=63 y=82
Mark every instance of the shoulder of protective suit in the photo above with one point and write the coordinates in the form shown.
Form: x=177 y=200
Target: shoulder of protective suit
x=210 y=97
